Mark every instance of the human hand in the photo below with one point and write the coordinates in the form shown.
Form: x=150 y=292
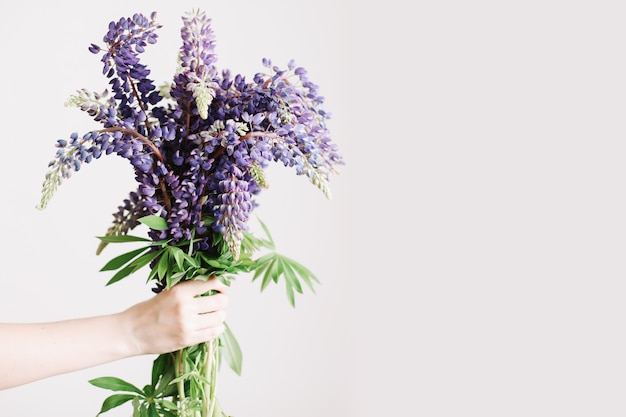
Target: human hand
x=177 y=318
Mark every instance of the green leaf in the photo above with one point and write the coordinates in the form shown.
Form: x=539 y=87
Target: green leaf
x=273 y=265
x=122 y=259
x=121 y=274
x=275 y=270
x=259 y=270
x=152 y=411
x=122 y=238
x=158 y=366
x=290 y=295
x=136 y=407
x=163 y=265
x=180 y=257
x=115 y=400
x=154 y=222
x=162 y=374
x=169 y=405
x=230 y=349
x=216 y=264
x=261 y=265
x=144 y=260
x=115 y=384
x=176 y=277
x=167 y=413
x=307 y=276
x=148 y=391
x=267 y=233
x=251 y=243
x=267 y=278
x=152 y=275
x=180 y=378
x=291 y=282
x=290 y=275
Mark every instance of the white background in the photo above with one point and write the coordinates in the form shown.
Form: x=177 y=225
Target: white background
x=471 y=258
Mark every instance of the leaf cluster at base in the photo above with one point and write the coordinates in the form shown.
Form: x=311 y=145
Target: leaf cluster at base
x=172 y=393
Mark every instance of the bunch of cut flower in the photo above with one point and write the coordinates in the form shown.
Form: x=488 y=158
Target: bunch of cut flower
x=198 y=147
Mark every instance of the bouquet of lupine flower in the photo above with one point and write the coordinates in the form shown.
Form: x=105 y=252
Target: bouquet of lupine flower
x=198 y=147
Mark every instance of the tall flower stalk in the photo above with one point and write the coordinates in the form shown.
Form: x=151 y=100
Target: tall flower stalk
x=198 y=147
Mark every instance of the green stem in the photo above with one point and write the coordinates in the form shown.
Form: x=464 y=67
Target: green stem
x=210 y=373
x=180 y=384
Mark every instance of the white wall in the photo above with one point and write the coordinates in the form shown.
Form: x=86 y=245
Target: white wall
x=472 y=257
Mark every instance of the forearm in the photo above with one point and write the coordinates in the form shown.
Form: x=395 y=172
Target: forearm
x=32 y=351
x=173 y=319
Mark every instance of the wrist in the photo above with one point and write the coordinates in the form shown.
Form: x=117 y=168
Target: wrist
x=128 y=342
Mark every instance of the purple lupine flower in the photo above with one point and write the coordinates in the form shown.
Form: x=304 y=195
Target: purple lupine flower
x=232 y=210
x=199 y=149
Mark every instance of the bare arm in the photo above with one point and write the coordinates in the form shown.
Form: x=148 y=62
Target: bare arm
x=168 y=321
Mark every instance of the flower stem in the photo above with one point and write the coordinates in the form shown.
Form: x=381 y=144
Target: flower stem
x=210 y=375
x=181 y=383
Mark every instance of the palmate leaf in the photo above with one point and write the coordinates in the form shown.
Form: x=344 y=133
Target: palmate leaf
x=265 y=264
x=273 y=265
